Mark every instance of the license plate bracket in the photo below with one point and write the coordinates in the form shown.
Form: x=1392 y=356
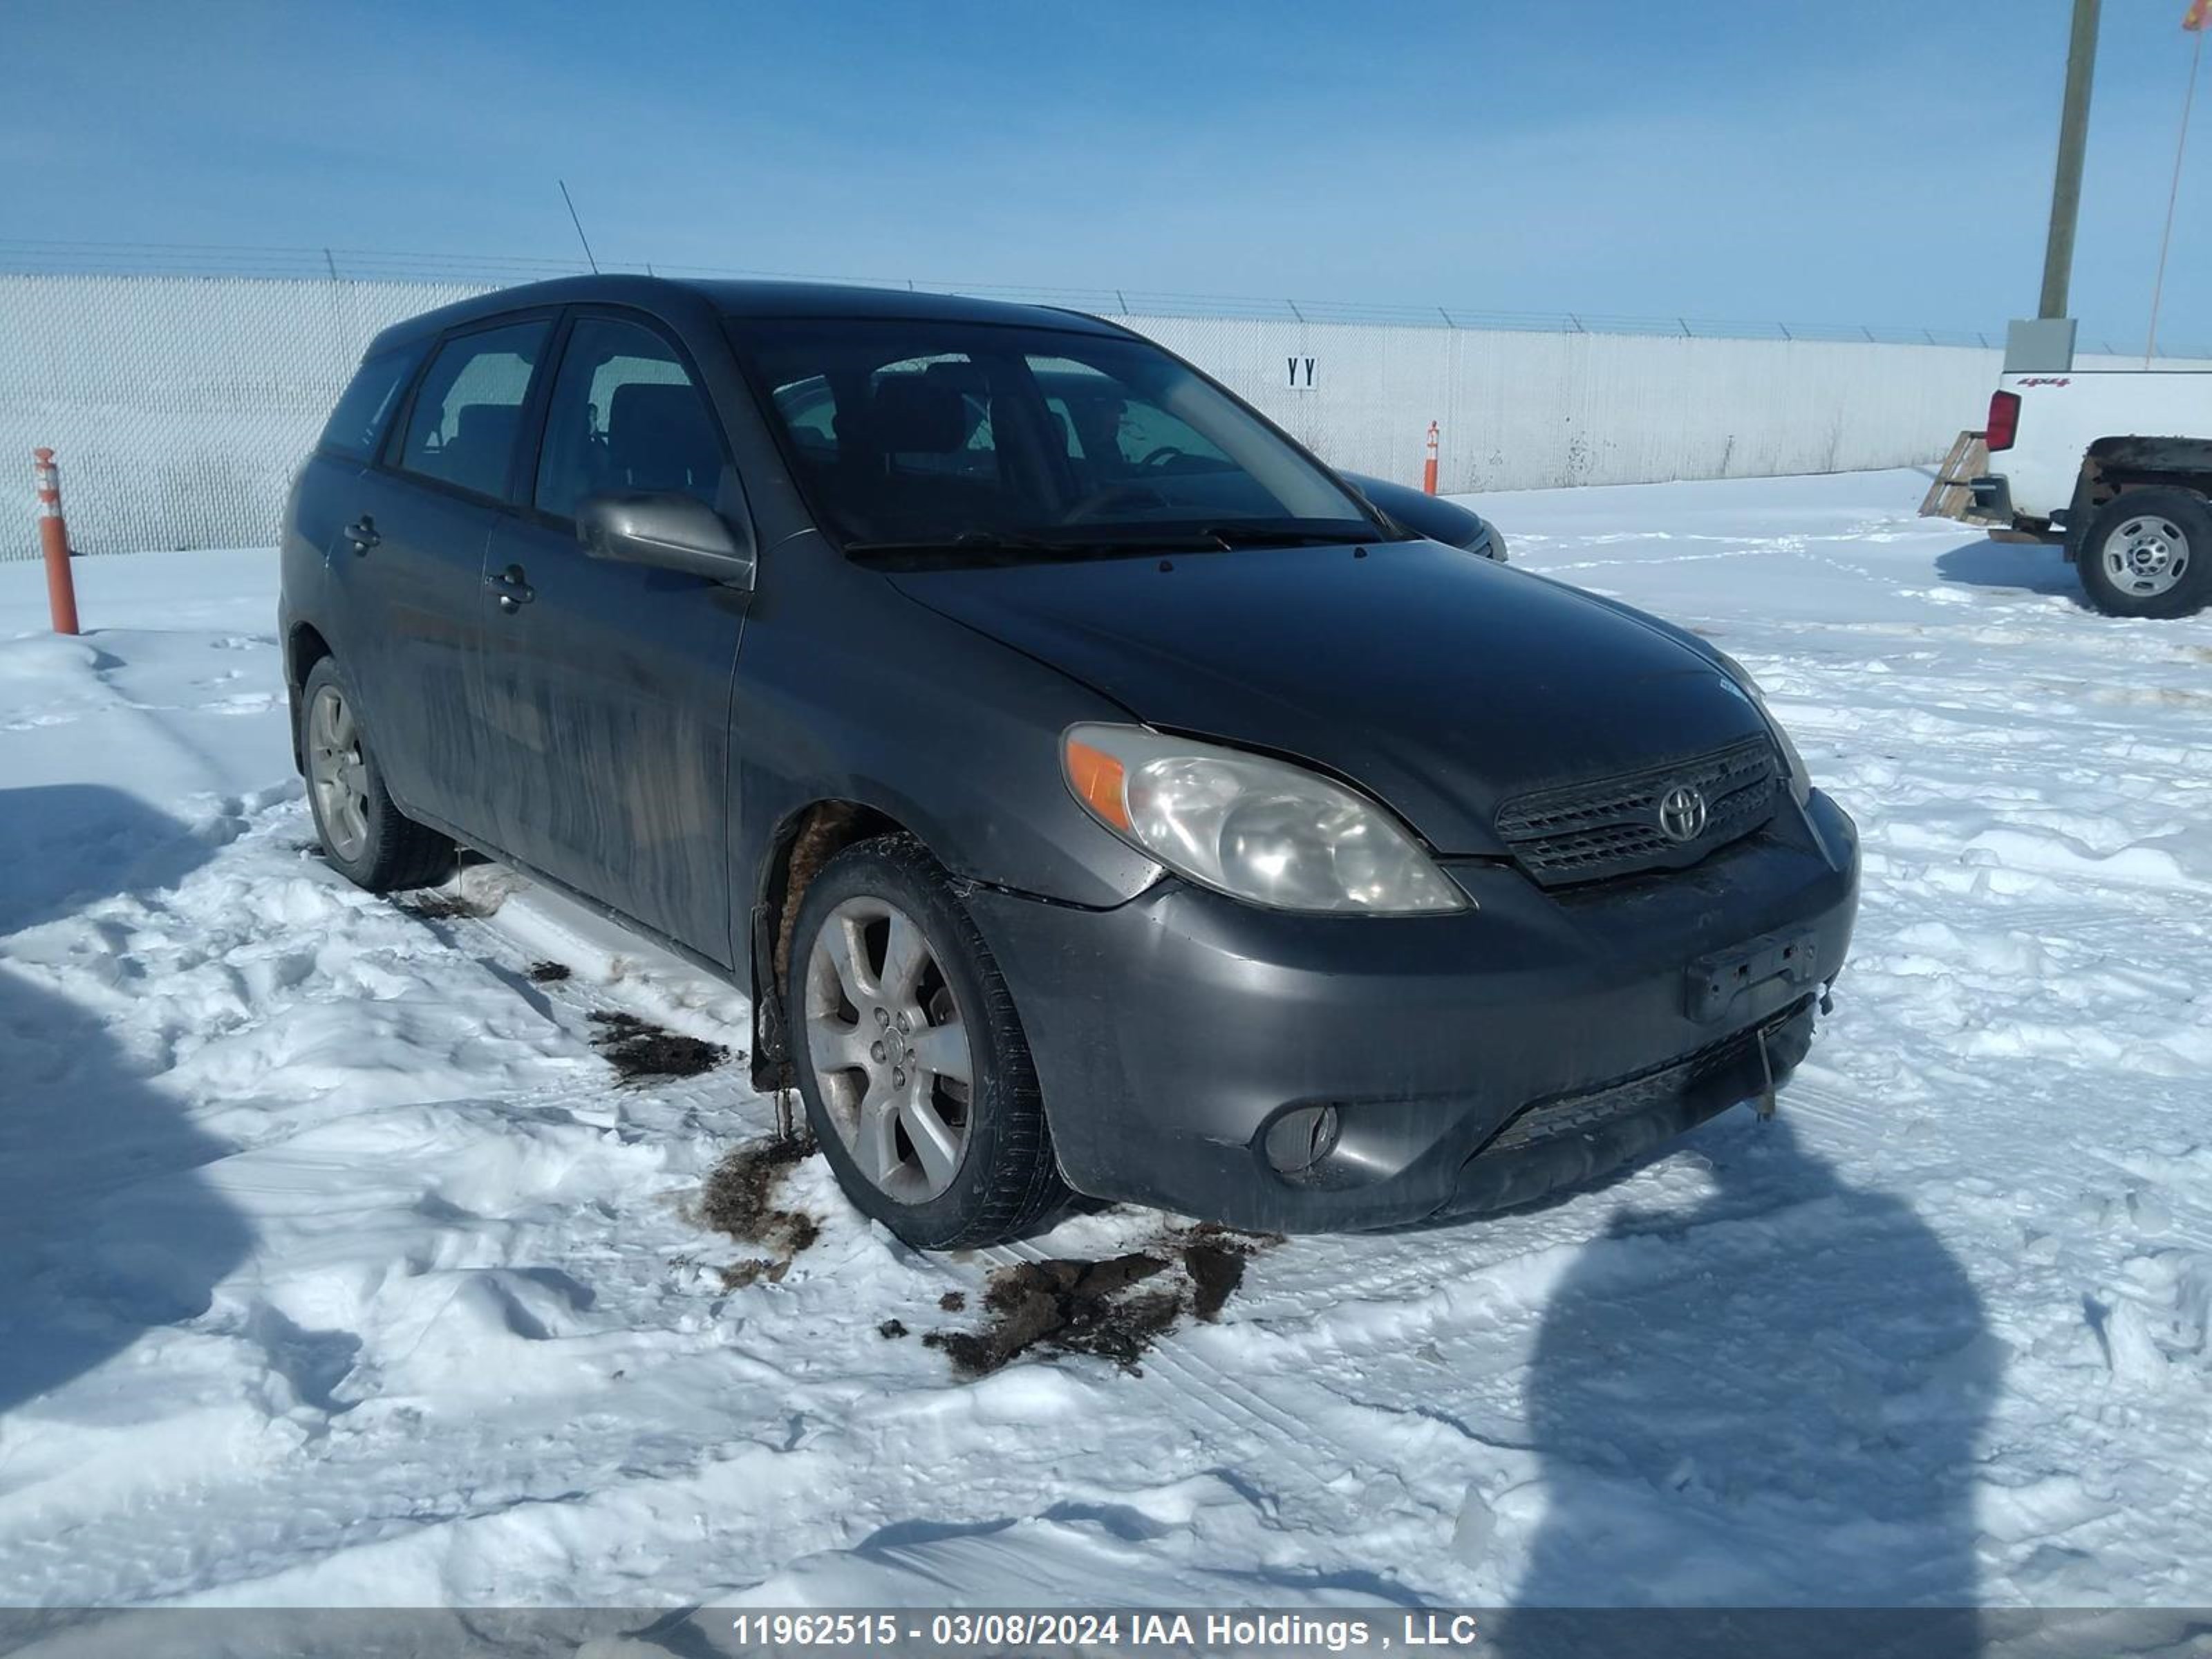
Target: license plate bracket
x=1770 y=972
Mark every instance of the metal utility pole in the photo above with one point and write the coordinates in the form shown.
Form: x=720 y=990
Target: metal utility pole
x=2073 y=139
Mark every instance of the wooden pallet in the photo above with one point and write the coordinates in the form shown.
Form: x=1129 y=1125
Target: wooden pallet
x=1949 y=496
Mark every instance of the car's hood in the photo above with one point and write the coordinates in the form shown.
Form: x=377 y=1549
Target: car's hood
x=1442 y=682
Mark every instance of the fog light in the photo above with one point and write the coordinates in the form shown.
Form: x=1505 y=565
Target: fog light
x=1299 y=1140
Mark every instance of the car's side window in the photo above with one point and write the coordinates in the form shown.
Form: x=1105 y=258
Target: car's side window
x=624 y=415
x=468 y=414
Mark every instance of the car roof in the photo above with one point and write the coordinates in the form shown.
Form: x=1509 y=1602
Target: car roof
x=744 y=302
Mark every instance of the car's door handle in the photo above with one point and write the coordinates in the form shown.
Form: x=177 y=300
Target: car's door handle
x=512 y=588
x=362 y=534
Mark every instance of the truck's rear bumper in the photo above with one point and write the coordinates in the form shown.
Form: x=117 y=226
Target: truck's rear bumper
x=1991 y=496
x=1989 y=503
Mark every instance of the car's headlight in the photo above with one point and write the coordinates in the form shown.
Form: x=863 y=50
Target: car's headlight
x=1258 y=829
x=1800 y=781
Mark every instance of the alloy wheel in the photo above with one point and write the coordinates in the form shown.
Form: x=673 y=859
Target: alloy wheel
x=889 y=1050
x=337 y=774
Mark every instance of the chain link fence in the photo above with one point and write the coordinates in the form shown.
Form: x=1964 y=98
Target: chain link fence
x=499 y=270
x=178 y=408
x=180 y=405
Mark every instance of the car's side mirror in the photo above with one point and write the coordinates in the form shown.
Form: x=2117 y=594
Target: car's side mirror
x=668 y=531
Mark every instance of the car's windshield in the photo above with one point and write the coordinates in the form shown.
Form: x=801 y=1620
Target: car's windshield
x=1003 y=441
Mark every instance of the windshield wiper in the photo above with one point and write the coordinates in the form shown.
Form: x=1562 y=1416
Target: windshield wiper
x=967 y=541
x=1262 y=535
x=990 y=545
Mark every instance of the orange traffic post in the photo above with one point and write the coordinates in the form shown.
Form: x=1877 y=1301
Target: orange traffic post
x=1428 y=466
x=53 y=541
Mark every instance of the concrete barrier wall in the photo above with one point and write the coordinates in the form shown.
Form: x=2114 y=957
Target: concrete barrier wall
x=180 y=406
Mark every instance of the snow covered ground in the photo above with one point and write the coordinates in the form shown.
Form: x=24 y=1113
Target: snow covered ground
x=341 y=1269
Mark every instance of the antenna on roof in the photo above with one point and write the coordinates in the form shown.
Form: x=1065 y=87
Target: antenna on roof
x=578 y=224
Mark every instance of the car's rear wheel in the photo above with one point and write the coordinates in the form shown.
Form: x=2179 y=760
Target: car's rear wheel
x=364 y=837
x=910 y=1057
x=2148 y=553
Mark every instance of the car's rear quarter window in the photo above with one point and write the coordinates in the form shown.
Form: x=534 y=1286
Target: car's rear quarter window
x=366 y=405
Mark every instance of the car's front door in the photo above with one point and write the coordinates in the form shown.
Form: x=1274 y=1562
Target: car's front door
x=410 y=565
x=606 y=686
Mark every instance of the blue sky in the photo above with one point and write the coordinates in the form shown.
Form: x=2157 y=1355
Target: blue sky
x=1860 y=160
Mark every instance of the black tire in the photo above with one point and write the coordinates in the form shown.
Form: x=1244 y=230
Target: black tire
x=2166 y=510
x=395 y=853
x=1007 y=1180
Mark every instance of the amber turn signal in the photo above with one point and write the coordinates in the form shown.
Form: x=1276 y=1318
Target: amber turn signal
x=1096 y=778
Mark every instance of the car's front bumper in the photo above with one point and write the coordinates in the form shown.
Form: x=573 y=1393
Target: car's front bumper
x=1168 y=1033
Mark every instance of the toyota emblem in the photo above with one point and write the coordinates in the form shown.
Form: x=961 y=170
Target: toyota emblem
x=1682 y=813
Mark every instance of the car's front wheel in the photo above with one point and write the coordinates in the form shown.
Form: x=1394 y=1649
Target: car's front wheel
x=910 y=1057
x=365 y=838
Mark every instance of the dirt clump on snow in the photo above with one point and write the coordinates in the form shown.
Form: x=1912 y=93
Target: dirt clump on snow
x=753 y=1270
x=1216 y=1271
x=548 y=973
x=1214 y=1257
x=641 y=1051
x=1107 y=1308
x=1114 y=1308
x=741 y=1199
x=449 y=907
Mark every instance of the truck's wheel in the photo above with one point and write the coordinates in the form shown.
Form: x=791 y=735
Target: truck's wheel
x=366 y=838
x=911 y=1061
x=2148 y=553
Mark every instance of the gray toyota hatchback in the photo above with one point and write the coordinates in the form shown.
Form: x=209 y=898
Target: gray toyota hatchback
x=1091 y=790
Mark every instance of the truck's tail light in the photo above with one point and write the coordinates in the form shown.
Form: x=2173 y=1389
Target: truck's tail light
x=2004 y=420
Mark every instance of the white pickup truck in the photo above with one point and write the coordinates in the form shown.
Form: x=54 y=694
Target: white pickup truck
x=2117 y=465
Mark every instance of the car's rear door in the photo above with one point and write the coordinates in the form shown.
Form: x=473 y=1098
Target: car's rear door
x=607 y=686
x=409 y=567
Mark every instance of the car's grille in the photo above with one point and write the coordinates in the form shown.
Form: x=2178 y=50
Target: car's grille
x=1592 y=831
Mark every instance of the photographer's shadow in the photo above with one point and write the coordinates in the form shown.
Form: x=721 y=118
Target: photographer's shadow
x=107 y=1227
x=1772 y=1399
